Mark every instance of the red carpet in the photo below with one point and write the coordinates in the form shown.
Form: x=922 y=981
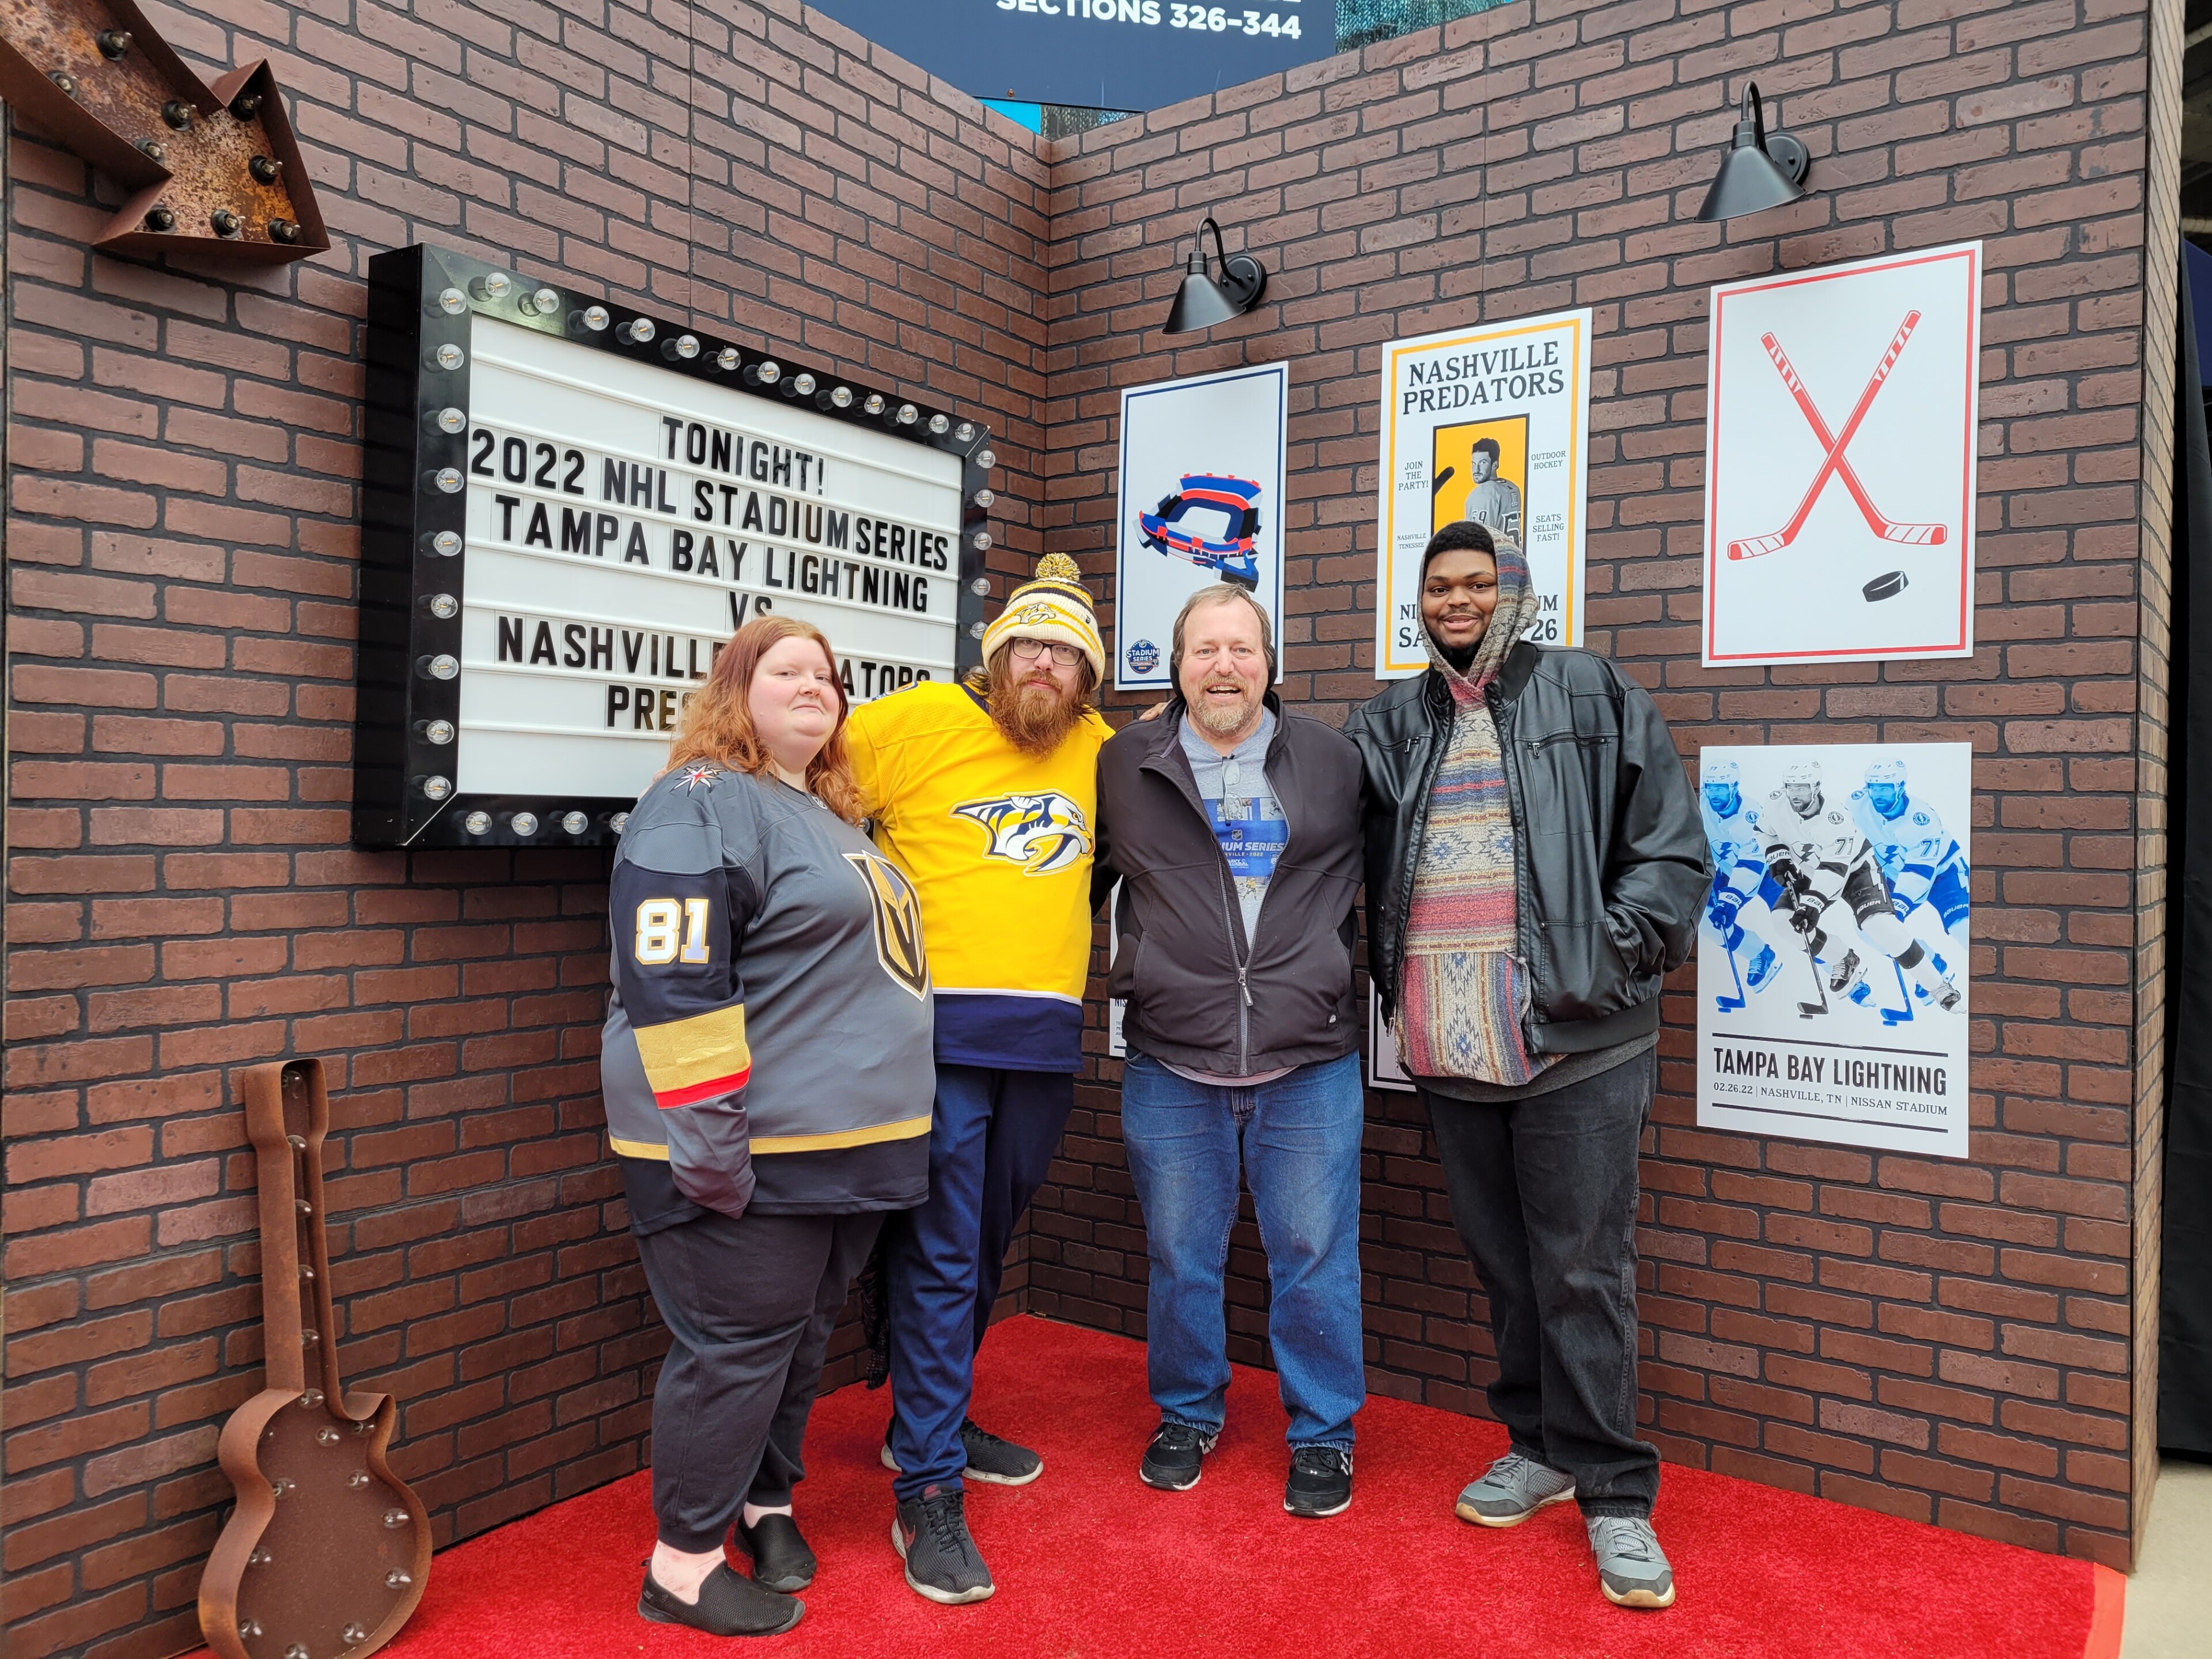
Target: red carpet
x=1091 y=1563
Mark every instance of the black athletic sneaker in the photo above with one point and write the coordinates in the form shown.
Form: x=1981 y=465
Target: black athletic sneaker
x=1320 y=1482
x=999 y=1462
x=728 y=1605
x=780 y=1556
x=931 y=1535
x=1175 y=1458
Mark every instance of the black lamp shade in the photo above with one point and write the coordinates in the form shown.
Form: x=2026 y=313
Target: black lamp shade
x=1200 y=301
x=1759 y=171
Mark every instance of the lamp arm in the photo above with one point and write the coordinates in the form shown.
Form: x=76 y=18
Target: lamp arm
x=1219 y=252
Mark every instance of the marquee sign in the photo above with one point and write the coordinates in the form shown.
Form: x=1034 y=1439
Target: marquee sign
x=570 y=507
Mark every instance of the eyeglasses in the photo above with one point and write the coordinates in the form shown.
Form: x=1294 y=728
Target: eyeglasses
x=1029 y=650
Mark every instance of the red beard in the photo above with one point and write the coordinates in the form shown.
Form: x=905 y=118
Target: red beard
x=1035 y=715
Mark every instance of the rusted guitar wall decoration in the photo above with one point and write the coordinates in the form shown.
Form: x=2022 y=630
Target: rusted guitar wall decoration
x=326 y=1553
x=214 y=170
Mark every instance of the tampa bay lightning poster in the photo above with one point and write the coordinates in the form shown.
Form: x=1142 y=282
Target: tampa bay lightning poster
x=1200 y=502
x=1832 y=992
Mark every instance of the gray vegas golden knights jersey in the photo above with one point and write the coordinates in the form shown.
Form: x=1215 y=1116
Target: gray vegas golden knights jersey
x=767 y=1042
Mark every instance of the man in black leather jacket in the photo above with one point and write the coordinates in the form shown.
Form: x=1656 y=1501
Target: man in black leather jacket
x=1535 y=867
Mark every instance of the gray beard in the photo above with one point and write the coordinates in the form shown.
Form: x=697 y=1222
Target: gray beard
x=1222 y=722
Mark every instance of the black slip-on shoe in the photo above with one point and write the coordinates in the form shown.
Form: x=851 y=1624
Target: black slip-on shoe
x=780 y=1556
x=728 y=1605
x=931 y=1535
x=1175 y=1457
x=1319 y=1483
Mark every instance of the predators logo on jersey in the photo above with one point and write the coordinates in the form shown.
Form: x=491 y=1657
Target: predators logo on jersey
x=899 y=921
x=1043 y=832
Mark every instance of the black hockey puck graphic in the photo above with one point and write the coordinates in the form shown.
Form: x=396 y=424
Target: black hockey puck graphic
x=1886 y=586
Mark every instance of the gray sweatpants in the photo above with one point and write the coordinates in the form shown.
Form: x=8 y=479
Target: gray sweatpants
x=750 y=1304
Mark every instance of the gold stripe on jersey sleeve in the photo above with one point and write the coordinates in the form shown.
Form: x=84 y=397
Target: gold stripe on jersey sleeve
x=682 y=1054
x=637 y=1149
x=905 y=1129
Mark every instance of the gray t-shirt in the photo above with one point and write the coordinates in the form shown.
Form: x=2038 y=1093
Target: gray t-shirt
x=1248 y=820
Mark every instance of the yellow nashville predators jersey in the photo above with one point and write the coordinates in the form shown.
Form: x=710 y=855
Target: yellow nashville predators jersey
x=999 y=844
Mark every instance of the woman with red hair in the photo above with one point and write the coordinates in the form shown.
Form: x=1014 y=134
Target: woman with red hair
x=768 y=1072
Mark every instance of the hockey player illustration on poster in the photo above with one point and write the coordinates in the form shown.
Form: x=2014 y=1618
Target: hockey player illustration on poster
x=1838 y=927
x=1823 y=865
x=1478 y=472
x=1921 y=862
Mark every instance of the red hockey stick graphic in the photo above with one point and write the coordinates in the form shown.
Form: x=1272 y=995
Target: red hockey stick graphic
x=1834 y=463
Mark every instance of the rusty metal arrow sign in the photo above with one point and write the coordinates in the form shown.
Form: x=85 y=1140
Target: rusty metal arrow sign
x=214 y=171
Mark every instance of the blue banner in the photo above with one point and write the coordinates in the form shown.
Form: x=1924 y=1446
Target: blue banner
x=1098 y=54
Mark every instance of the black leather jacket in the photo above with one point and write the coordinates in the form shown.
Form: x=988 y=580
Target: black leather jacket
x=1610 y=861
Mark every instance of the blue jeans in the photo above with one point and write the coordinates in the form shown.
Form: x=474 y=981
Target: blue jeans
x=1300 y=1139
x=991 y=1143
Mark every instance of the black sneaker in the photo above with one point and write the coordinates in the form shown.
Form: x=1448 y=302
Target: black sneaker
x=728 y=1605
x=999 y=1462
x=930 y=1533
x=1173 y=1461
x=780 y=1556
x=1320 y=1482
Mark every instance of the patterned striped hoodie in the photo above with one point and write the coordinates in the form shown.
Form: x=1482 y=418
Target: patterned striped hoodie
x=1464 y=997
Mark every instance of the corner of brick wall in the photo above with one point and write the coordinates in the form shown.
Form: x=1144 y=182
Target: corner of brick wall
x=1945 y=1340
x=181 y=541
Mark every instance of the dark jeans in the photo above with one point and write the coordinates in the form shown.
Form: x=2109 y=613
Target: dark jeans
x=991 y=1141
x=1543 y=1193
x=750 y=1304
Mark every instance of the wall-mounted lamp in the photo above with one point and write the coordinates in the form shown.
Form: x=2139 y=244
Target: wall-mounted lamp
x=1761 y=169
x=1202 y=302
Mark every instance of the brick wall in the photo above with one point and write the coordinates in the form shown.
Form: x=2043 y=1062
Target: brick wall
x=1947 y=1341
x=2162 y=311
x=181 y=546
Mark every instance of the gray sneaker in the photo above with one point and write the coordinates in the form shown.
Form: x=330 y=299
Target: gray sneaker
x=1631 y=1568
x=1515 y=1489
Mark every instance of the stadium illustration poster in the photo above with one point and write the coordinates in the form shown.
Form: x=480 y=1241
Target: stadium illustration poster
x=1200 y=501
x=1840 y=440
x=1489 y=423
x=1832 y=993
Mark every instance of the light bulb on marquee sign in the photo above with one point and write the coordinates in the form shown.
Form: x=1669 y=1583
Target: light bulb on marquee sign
x=587 y=502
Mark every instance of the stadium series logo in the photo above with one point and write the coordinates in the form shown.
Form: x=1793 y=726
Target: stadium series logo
x=1143 y=656
x=1043 y=833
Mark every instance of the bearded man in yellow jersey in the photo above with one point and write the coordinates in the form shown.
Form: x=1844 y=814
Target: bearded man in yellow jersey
x=985 y=795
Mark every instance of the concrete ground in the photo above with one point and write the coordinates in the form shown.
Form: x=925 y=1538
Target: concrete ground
x=2166 y=1611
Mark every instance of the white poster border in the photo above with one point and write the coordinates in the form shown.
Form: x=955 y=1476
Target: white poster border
x=1961 y=646
x=1271 y=592
x=1391 y=666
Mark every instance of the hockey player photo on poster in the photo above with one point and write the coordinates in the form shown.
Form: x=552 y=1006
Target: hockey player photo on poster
x=1481 y=471
x=1832 y=957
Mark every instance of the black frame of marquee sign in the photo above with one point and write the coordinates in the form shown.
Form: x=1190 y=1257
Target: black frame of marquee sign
x=405 y=510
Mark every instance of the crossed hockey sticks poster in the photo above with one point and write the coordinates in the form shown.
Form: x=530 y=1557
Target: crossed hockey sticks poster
x=1839 y=462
